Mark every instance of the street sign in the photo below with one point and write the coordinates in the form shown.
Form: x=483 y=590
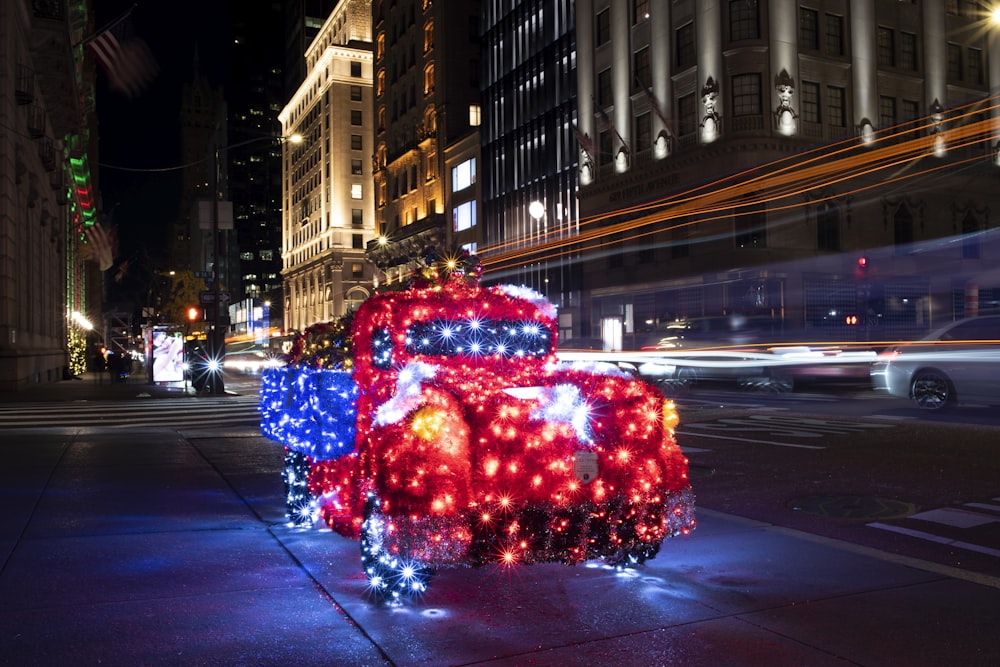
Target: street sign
x=209 y=297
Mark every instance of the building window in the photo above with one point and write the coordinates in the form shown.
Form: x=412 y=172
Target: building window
x=810 y=102
x=954 y=62
x=743 y=21
x=475 y=115
x=808 y=28
x=687 y=120
x=357 y=218
x=746 y=95
x=464 y=216
x=356 y=169
x=908 y=50
x=975 y=58
x=246 y=256
x=355 y=68
x=640 y=69
x=429 y=79
x=910 y=110
x=430 y=169
x=355 y=93
x=686 y=56
x=750 y=226
x=834 y=35
x=604 y=87
x=470 y=248
x=886 y=111
x=358 y=241
x=605 y=147
x=357 y=270
x=886 y=47
x=640 y=11
x=429 y=36
x=380 y=46
x=836 y=106
x=356 y=118
x=602 y=28
x=356 y=191
x=463 y=175
x=356 y=144
x=380 y=115
x=643 y=131
x=380 y=83
x=828 y=228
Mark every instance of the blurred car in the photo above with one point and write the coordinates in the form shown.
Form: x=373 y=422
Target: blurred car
x=958 y=362
x=582 y=344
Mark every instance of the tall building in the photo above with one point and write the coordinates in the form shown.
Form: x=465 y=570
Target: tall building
x=253 y=161
x=327 y=199
x=49 y=293
x=427 y=115
x=829 y=167
x=303 y=20
x=529 y=146
x=202 y=109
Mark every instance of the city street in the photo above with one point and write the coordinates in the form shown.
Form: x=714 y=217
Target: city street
x=155 y=545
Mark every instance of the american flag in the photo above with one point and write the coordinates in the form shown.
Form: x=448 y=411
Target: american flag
x=125 y=58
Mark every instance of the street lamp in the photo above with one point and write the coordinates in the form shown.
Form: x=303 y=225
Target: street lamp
x=217 y=341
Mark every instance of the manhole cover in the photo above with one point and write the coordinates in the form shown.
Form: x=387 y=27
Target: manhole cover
x=853 y=507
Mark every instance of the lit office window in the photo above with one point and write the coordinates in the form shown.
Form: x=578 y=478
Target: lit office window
x=463 y=175
x=464 y=216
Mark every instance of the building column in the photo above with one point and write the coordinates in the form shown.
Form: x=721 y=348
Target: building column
x=708 y=28
x=621 y=83
x=661 y=44
x=784 y=28
x=585 y=80
x=863 y=67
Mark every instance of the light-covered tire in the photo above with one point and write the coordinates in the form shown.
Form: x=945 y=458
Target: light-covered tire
x=392 y=579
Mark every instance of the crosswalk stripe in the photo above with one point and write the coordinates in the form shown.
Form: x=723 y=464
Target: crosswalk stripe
x=970 y=527
x=203 y=413
x=968 y=546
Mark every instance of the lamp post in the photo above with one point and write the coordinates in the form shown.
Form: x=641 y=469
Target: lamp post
x=217 y=342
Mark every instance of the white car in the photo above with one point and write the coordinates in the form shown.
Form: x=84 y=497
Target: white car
x=958 y=362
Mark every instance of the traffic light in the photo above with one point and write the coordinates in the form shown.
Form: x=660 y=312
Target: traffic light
x=862 y=268
x=194 y=314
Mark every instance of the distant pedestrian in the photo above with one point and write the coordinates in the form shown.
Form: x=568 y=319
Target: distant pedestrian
x=99 y=367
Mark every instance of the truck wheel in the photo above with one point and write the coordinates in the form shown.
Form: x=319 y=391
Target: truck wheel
x=391 y=578
x=301 y=508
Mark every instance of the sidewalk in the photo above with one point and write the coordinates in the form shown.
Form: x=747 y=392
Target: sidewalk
x=159 y=547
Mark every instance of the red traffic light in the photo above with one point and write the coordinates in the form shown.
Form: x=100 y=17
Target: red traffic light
x=194 y=313
x=862 y=262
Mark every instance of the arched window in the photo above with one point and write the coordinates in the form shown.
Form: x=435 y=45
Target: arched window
x=429 y=79
x=430 y=119
x=380 y=83
x=428 y=36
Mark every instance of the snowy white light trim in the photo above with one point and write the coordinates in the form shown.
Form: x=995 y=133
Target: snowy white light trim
x=547 y=308
x=407 y=396
x=566 y=404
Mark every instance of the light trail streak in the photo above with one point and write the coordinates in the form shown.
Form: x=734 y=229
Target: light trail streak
x=785 y=180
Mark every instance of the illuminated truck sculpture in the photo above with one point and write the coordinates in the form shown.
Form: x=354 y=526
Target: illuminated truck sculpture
x=458 y=438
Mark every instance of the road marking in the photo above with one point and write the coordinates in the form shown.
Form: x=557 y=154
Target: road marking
x=952 y=516
x=936 y=538
x=793 y=427
x=984 y=506
x=759 y=442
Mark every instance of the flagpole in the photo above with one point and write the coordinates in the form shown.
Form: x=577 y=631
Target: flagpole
x=98 y=33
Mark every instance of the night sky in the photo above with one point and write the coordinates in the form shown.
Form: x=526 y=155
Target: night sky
x=143 y=133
